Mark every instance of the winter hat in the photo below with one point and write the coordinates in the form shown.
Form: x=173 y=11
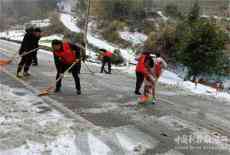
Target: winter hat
x=56 y=42
x=103 y=50
x=37 y=29
x=29 y=29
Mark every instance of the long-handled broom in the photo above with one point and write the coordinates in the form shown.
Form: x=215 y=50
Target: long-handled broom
x=8 y=61
x=46 y=91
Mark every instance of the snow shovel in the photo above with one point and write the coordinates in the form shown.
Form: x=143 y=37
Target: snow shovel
x=46 y=91
x=6 y=62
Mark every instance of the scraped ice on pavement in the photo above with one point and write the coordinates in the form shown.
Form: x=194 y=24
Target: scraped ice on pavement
x=29 y=126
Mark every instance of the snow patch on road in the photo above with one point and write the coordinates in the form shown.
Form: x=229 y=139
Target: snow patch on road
x=171 y=152
x=175 y=123
x=97 y=147
x=134 y=141
x=29 y=126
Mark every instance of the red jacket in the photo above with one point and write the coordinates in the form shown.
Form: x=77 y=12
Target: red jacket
x=67 y=56
x=140 y=67
x=107 y=54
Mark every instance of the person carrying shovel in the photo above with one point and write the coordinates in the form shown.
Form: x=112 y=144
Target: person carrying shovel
x=28 y=47
x=106 y=57
x=67 y=57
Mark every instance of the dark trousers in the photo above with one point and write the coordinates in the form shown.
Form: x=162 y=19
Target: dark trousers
x=104 y=62
x=25 y=63
x=75 y=72
x=139 y=81
x=35 y=58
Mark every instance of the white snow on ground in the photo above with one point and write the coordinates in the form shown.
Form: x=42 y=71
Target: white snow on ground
x=40 y=23
x=133 y=37
x=68 y=21
x=173 y=79
x=13 y=34
x=25 y=129
x=19 y=34
x=162 y=16
x=46 y=41
x=97 y=147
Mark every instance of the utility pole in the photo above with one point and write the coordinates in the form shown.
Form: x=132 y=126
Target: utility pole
x=86 y=25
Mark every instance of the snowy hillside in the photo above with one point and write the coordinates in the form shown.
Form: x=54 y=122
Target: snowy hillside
x=68 y=21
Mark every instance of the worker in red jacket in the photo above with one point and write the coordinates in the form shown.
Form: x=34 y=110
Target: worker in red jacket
x=65 y=54
x=106 y=59
x=140 y=71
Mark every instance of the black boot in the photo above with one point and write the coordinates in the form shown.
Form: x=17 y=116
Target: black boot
x=26 y=74
x=18 y=74
x=137 y=92
x=35 y=64
x=57 y=90
x=79 y=92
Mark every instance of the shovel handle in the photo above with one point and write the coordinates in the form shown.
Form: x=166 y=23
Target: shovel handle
x=31 y=51
x=66 y=71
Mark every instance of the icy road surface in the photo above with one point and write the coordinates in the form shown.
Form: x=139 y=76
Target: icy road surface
x=105 y=119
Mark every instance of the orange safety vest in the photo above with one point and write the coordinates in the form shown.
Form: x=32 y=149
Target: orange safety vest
x=141 y=64
x=67 y=55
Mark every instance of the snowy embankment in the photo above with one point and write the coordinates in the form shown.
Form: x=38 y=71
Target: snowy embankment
x=172 y=79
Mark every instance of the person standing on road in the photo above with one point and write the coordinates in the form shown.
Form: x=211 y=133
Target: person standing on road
x=29 y=43
x=65 y=54
x=153 y=71
x=106 y=59
x=38 y=37
x=140 y=70
x=149 y=82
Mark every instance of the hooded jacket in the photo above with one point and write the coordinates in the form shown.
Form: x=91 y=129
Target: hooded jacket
x=29 y=42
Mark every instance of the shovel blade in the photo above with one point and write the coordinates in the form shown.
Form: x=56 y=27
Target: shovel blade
x=44 y=93
x=5 y=62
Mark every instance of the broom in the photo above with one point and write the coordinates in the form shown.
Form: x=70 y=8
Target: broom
x=6 y=62
x=46 y=91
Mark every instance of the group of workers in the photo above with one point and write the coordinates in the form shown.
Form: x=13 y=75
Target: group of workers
x=68 y=57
